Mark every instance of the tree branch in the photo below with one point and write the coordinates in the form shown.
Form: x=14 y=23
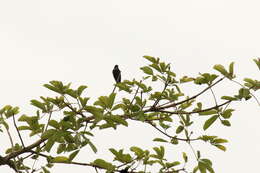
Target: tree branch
x=193 y=97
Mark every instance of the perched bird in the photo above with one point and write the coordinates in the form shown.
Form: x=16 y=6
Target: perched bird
x=117 y=74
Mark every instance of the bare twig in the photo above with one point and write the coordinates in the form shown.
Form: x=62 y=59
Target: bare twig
x=172 y=137
x=19 y=134
x=164 y=106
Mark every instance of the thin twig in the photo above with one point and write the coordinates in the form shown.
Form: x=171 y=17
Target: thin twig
x=192 y=112
x=19 y=134
x=172 y=137
x=164 y=106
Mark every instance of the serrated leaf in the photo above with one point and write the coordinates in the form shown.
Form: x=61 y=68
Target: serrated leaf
x=210 y=121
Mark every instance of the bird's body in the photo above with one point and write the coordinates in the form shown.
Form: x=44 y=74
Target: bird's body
x=117 y=74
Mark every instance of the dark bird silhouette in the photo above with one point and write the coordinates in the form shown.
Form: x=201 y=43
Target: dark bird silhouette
x=117 y=74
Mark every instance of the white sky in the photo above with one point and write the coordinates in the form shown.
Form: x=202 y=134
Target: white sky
x=80 y=41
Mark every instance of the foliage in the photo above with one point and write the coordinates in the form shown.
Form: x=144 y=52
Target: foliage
x=66 y=135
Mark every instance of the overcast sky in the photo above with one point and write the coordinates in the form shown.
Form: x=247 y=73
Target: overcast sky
x=80 y=41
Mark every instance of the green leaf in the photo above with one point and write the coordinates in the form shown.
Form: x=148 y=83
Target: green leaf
x=219 y=140
x=38 y=104
x=124 y=87
x=174 y=140
x=227 y=113
x=172 y=164
x=159 y=140
x=49 y=133
x=186 y=79
x=244 y=93
x=24 y=128
x=207 y=164
x=228 y=98
x=225 y=123
x=221 y=147
x=210 y=112
x=49 y=144
x=72 y=93
x=179 y=129
x=73 y=155
x=138 y=152
x=159 y=151
x=195 y=169
x=185 y=157
x=83 y=101
x=220 y=68
x=45 y=170
x=202 y=167
x=103 y=164
x=96 y=112
x=111 y=100
x=150 y=58
x=231 y=70
x=50 y=87
x=92 y=146
x=257 y=61
x=156 y=67
x=147 y=70
x=118 y=119
x=61 y=148
x=60 y=159
x=81 y=89
x=54 y=124
x=210 y=121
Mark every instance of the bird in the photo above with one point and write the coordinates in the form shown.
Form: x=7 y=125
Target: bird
x=117 y=74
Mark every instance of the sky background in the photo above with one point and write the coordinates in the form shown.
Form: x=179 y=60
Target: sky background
x=80 y=41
